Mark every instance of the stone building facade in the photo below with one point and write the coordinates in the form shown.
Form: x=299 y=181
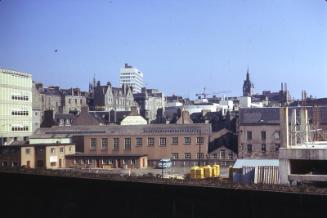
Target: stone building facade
x=72 y=100
x=259 y=133
x=36 y=107
x=108 y=98
x=150 y=101
x=51 y=98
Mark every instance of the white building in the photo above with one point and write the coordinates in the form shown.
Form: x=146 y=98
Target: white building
x=132 y=77
x=203 y=105
x=15 y=106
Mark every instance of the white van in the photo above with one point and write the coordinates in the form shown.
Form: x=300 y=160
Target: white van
x=164 y=163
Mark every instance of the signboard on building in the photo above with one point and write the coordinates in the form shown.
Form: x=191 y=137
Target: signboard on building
x=53 y=159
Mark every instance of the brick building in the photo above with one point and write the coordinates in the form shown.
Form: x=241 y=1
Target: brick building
x=184 y=143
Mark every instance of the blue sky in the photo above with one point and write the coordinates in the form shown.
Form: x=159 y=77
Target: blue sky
x=181 y=46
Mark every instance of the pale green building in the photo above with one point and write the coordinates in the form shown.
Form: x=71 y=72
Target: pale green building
x=15 y=106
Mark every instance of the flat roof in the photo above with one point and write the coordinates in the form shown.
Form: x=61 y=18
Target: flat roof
x=255 y=163
x=106 y=155
x=35 y=145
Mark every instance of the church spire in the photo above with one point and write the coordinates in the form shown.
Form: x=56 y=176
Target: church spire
x=247 y=85
x=247 y=75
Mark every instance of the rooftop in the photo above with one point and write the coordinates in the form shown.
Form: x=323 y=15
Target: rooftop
x=255 y=163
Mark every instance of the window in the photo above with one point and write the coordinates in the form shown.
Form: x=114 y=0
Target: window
x=200 y=155
x=187 y=140
x=53 y=164
x=187 y=155
x=81 y=101
x=75 y=101
x=174 y=155
x=277 y=146
x=128 y=144
x=263 y=136
x=93 y=145
x=263 y=148
x=277 y=135
x=116 y=144
x=61 y=149
x=27 y=150
x=215 y=155
x=175 y=140
x=230 y=155
x=199 y=140
x=163 y=142
x=139 y=142
x=222 y=154
x=249 y=135
x=150 y=141
x=52 y=150
x=104 y=143
x=69 y=101
x=249 y=148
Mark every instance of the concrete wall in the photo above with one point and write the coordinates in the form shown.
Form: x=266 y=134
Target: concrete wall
x=15 y=98
x=303 y=154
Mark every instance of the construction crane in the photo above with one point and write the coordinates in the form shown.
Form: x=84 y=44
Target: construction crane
x=205 y=94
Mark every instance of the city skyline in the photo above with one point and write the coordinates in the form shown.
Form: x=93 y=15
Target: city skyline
x=194 y=43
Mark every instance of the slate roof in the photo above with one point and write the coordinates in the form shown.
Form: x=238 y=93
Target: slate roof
x=229 y=140
x=148 y=129
x=52 y=91
x=270 y=116
x=264 y=116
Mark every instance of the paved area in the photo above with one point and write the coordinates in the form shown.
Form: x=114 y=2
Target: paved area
x=176 y=172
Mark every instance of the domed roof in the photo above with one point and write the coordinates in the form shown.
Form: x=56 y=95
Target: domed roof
x=133 y=120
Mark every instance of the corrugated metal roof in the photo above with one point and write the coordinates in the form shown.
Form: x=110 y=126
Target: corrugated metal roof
x=255 y=162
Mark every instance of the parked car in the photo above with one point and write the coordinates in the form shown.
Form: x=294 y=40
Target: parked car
x=164 y=163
